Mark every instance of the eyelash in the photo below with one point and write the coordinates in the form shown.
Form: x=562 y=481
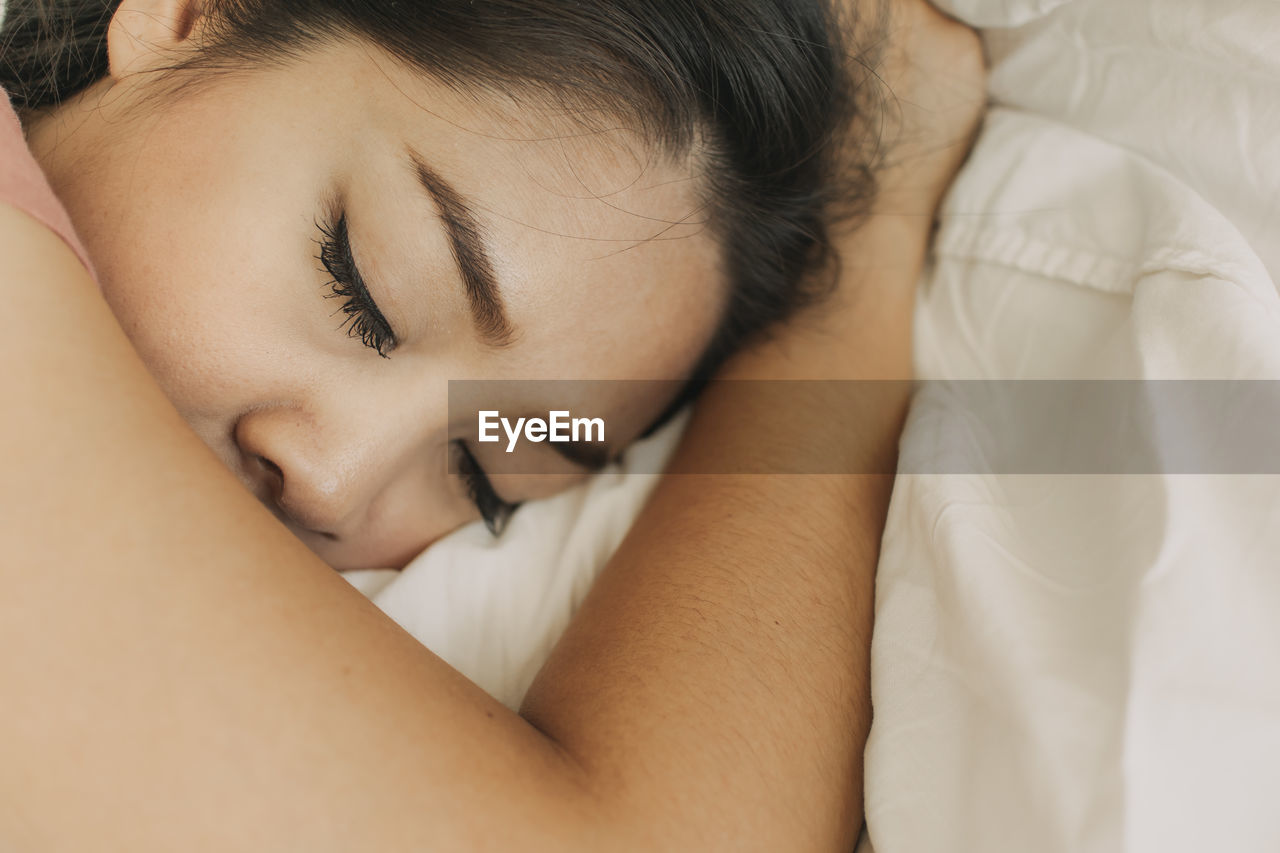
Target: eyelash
x=364 y=319
x=494 y=510
x=366 y=322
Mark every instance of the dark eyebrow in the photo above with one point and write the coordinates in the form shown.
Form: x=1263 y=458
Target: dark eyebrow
x=466 y=238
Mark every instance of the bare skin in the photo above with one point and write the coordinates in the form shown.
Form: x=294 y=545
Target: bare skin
x=182 y=673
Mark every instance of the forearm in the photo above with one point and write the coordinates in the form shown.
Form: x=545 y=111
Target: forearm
x=719 y=668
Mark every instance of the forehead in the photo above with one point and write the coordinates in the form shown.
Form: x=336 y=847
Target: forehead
x=598 y=238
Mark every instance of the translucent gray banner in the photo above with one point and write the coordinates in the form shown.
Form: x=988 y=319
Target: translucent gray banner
x=954 y=427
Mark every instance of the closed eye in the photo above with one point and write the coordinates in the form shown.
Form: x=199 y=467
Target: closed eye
x=364 y=320
x=494 y=510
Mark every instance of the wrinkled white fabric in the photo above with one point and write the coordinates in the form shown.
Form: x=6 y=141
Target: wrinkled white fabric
x=1079 y=663
x=998 y=13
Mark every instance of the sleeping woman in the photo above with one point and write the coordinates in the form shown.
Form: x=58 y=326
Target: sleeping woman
x=244 y=245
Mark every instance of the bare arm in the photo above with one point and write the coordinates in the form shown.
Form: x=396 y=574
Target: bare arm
x=733 y=626
x=180 y=673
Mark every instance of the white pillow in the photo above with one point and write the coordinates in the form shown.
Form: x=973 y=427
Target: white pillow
x=493 y=608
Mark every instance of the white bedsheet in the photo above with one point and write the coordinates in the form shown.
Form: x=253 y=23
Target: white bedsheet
x=1093 y=662
x=1059 y=663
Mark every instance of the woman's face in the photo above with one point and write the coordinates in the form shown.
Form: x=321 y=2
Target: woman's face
x=494 y=240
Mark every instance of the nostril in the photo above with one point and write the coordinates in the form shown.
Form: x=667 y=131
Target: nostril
x=273 y=469
x=272 y=481
x=290 y=483
x=275 y=474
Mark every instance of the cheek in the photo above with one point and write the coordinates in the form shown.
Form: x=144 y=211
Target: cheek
x=203 y=240
x=205 y=343
x=206 y=262
x=213 y=307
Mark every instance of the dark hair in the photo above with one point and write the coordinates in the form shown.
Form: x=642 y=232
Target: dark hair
x=765 y=88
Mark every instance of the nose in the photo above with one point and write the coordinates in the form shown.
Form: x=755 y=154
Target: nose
x=362 y=487
x=311 y=484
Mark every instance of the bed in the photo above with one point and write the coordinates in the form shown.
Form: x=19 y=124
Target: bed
x=1060 y=663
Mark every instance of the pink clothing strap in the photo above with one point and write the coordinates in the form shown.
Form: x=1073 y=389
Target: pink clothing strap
x=24 y=185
